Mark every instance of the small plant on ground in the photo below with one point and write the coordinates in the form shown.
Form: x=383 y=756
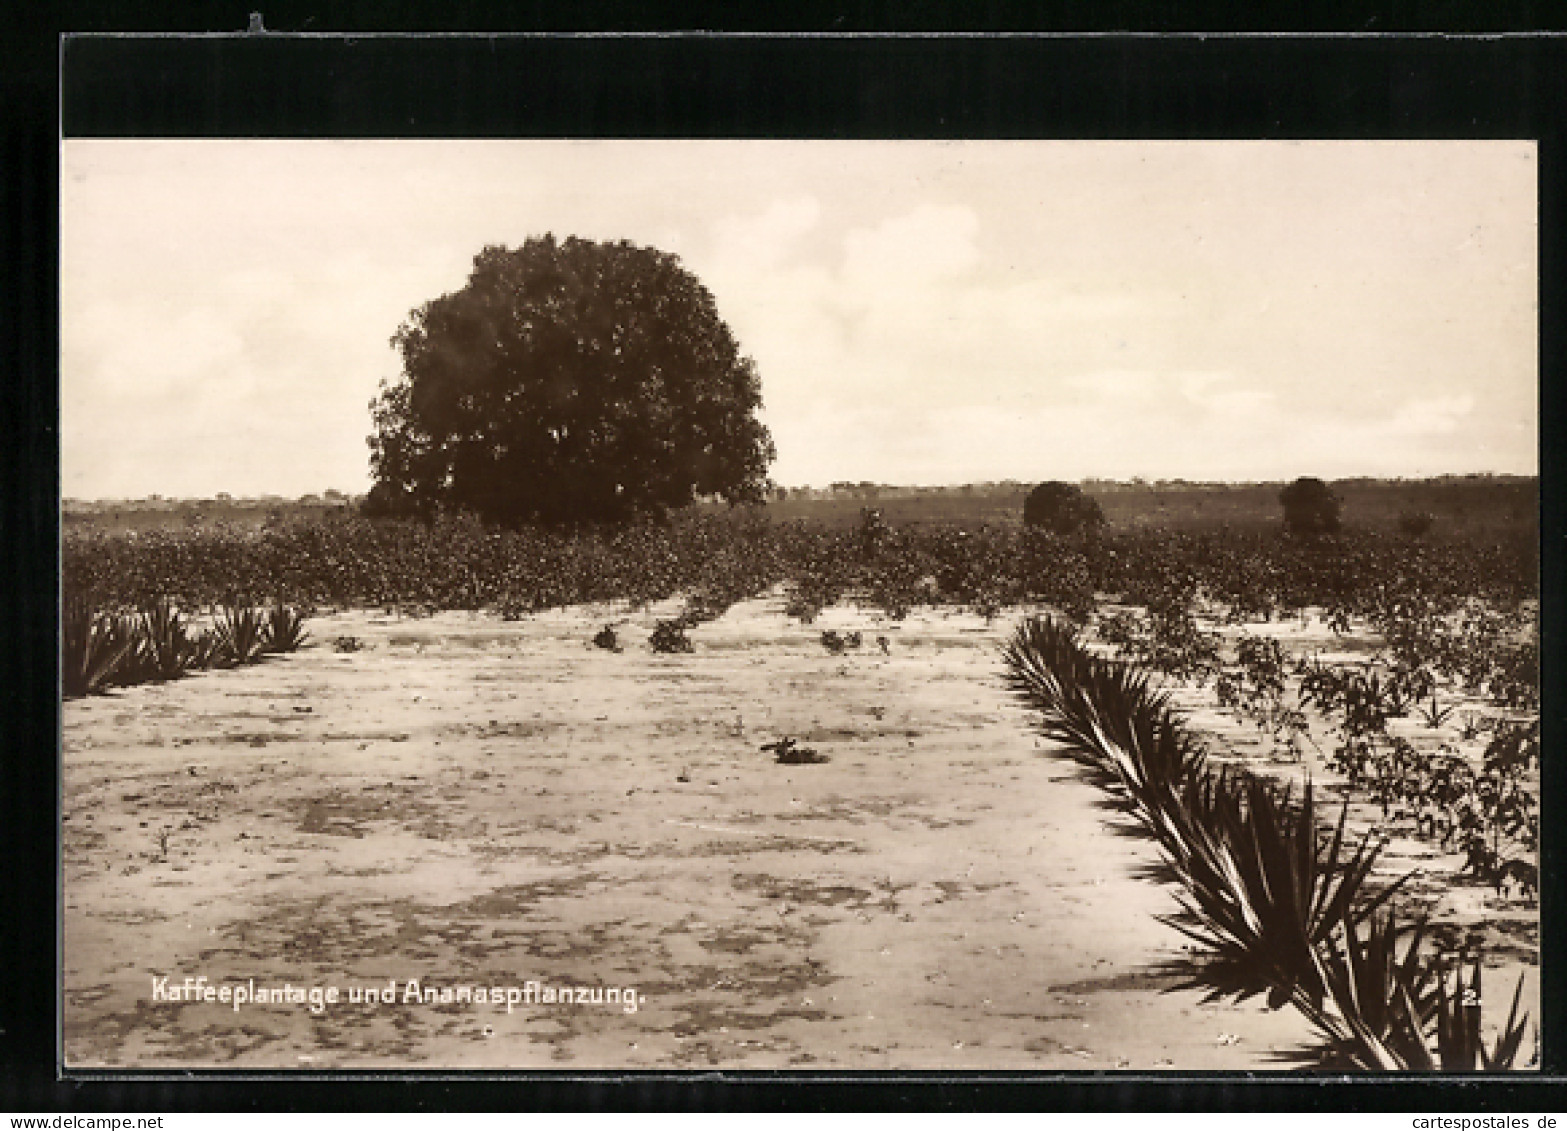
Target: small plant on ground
x=788 y=752
x=605 y=638
x=1257 y=690
x=1435 y=716
x=707 y=604
x=669 y=636
x=799 y=606
x=1124 y=629
x=1165 y=637
x=818 y=587
x=1473 y=724
x=206 y=650
x=241 y=631
x=1360 y=699
x=283 y=630
x=1498 y=822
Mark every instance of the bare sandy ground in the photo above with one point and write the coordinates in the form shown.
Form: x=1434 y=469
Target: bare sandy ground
x=471 y=802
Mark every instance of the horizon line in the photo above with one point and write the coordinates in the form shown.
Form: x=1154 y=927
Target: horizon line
x=1132 y=481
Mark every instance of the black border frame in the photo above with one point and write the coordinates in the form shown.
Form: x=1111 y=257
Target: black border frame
x=944 y=72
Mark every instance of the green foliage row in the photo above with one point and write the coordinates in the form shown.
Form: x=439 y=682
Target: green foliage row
x=458 y=562
x=454 y=562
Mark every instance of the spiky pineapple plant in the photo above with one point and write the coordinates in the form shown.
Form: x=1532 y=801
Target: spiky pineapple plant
x=241 y=634
x=283 y=629
x=91 y=650
x=100 y=650
x=169 y=649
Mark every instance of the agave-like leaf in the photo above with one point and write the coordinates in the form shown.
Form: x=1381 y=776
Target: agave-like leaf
x=168 y=647
x=1378 y=1005
x=207 y=650
x=1504 y=1054
x=283 y=629
x=240 y=632
x=1253 y=871
x=1458 y=1020
x=1409 y=1030
x=1458 y=1024
x=91 y=650
x=137 y=663
x=1106 y=715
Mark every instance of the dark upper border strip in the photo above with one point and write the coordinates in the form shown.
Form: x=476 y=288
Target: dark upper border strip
x=851 y=87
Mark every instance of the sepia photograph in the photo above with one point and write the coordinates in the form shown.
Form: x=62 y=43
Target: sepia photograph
x=826 y=605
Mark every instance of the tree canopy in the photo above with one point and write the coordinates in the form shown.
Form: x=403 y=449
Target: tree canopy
x=1310 y=507
x=1062 y=508
x=568 y=382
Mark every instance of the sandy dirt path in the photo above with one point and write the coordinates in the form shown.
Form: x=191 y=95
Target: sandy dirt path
x=471 y=802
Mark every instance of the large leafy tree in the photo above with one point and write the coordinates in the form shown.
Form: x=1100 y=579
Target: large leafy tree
x=566 y=382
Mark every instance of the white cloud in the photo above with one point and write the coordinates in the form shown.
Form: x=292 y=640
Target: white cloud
x=1120 y=388
x=139 y=348
x=1435 y=416
x=907 y=252
x=760 y=243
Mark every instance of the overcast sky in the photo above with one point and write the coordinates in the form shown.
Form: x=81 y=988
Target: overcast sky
x=919 y=312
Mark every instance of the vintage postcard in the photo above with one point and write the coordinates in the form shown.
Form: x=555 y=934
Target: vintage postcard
x=579 y=605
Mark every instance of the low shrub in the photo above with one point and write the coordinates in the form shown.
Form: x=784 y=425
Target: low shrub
x=1310 y=508
x=789 y=752
x=1062 y=508
x=670 y=636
